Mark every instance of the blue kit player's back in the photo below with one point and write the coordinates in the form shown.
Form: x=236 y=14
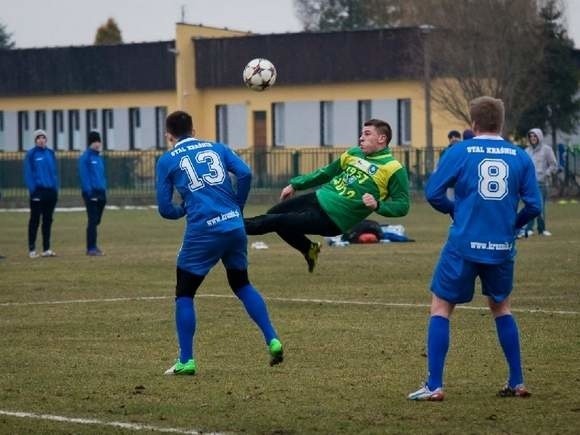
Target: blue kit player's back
x=490 y=175
x=200 y=172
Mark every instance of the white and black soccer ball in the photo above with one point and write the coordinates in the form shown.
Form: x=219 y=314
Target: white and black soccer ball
x=259 y=74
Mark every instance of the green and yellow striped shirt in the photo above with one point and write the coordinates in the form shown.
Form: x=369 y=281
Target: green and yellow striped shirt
x=348 y=178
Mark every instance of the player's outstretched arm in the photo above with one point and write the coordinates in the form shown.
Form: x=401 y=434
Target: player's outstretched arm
x=317 y=177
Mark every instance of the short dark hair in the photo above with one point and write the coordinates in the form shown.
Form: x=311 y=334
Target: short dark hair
x=382 y=127
x=453 y=133
x=487 y=113
x=94 y=136
x=179 y=124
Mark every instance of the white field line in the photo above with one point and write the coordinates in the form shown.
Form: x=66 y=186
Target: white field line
x=93 y=421
x=297 y=300
x=139 y=427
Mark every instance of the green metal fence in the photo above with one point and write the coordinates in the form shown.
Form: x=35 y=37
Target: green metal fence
x=131 y=174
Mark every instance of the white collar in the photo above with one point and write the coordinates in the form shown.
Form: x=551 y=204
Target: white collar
x=182 y=141
x=489 y=136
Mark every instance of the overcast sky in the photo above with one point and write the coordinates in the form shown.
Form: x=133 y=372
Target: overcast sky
x=49 y=23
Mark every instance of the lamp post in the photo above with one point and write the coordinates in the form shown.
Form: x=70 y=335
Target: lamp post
x=426 y=29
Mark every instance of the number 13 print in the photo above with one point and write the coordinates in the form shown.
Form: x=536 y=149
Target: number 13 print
x=216 y=174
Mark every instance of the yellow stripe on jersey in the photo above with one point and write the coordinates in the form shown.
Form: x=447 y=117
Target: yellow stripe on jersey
x=383 y=176
x=379 y=172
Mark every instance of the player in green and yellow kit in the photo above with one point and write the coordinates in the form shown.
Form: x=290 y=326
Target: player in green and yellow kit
x=364 y=179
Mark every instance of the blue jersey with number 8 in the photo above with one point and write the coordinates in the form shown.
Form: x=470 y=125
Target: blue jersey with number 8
x=490 y=177
x=200 y=172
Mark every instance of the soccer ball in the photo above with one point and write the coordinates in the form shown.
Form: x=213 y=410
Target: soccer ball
x=259 y=74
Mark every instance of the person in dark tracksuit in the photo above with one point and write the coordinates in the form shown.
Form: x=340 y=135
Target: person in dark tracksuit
x=94 y=189
x=40 y=175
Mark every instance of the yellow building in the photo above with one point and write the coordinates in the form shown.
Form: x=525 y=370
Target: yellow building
x=327 y=85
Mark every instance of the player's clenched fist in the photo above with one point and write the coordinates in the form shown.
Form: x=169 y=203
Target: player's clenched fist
x=370 y=201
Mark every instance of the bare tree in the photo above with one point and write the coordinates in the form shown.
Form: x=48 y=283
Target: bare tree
x=473 y=47
x=480 y=47
x=324 y=15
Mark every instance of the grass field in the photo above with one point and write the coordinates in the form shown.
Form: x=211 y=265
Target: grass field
x=89 y=338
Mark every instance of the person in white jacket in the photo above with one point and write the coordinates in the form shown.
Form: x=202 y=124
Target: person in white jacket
x=546 y=165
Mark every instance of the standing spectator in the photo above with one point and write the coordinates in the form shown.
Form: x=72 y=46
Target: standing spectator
x=200 y=172
x=41 y=179
x=94 y=189
x=453 y=136
x=491 y=176
x=546 y=164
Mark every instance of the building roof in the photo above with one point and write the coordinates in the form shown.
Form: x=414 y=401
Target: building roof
x=148 y=66
x=308 y=58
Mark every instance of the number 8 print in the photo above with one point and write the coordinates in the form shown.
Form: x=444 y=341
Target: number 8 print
x=493 y=175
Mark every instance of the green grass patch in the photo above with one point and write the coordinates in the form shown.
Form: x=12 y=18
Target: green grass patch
x=349 y=364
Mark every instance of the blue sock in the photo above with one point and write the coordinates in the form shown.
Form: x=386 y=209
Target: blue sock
x=185 y=325
x=509 y=338
x=257 y=310
x=437 y=347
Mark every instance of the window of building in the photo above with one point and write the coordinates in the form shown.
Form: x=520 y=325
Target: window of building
x=24 y=135
x=160 y=115
x=135 y=115
x=92 y=120
x=326 y=123
x=278 y=124
x=108 y=118
x=364 y=112
x=74 y=129
x=221 y=120
x=404 y=121
x=134 y=126
x=58 y=128
x=40 y=119
x=108 y=129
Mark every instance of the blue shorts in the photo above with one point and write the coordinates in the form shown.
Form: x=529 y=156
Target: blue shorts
x=199 y=253
x=454 y=278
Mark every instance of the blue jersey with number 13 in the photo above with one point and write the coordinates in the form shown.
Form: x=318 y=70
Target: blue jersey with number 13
x=490 y=177
x=199 y=171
